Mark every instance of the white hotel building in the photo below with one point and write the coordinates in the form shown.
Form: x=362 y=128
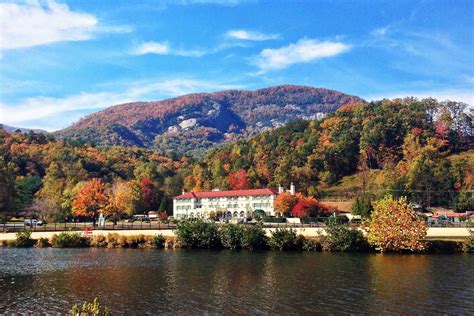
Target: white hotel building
x=230 y=204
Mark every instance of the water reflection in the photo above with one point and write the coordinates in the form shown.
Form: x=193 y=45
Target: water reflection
x=196 y=282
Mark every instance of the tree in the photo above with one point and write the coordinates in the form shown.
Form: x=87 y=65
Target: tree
x=395 y=226
x=238 y=180
x=91 y=199
x=123 y=199
x=463 y=202
x=46 y=209
x=26 y=187
x=150 y=196
x=362 y=206
x=308 y=207
x=285 y=202
x=7 y=185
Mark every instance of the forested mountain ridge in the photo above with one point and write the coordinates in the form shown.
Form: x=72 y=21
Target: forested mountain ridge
x=403 y=146
x=199 y=121
x=422 y=149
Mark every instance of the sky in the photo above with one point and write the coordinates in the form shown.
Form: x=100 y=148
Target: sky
x=61 y=60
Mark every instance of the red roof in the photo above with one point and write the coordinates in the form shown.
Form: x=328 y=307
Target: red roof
x=230 y=193
x=451 y=214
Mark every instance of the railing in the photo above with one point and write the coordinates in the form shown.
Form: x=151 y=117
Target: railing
x=52 y=227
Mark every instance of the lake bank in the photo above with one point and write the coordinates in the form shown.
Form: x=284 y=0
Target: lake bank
x=433 y=233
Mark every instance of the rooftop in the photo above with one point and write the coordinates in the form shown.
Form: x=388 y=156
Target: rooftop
x=230 y=193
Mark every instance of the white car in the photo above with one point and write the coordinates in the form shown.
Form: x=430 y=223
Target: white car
x=33 y=222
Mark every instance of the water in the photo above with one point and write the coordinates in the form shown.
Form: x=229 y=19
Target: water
x=142 y=282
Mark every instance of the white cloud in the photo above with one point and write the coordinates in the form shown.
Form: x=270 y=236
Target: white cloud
x=459 y=95
x=163 y=48
x=303 y=51
x=30 y=110
x=33 y=24
x=250 y=35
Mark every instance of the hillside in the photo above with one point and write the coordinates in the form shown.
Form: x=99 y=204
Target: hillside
x=12 y=129
x=199 y=121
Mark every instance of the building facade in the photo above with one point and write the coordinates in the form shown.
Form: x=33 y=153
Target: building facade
x=228 y=204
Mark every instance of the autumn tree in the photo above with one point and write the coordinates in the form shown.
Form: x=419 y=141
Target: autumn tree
x=238 y=180
x=149 y=196
x=46 y=209
x=90 y=199
x=124 y=199
x=309 y=207
x=7 y=187
x=285 y=202
x=394 y=226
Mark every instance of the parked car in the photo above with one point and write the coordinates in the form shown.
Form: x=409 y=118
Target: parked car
x=34 y=222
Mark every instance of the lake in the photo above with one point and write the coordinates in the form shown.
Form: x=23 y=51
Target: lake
x=183 y=281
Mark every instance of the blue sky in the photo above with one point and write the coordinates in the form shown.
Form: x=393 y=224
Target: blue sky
x=62 y=60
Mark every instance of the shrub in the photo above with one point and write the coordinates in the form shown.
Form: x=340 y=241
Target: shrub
x=23 y=239
x=395 y=226
x=231 y=236
x=89 y=309
x=468 y=244
x=254 y=238
x=311 y=244
x=285 y=239
x=196 y=233
x=69 y=240
x=444 y=246
x=99 y=241
x=342 y=238
x=42 y=243
x=158 y=241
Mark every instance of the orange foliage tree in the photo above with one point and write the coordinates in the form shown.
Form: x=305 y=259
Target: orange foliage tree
x=308 y=207
x=394 y=226
x=238 y=180
x=285 y=202
x=90 y=199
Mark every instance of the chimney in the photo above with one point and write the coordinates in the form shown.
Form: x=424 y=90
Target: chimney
x=280 y=189
x=292 y=189
x=184 y=191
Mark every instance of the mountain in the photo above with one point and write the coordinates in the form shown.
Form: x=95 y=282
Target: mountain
x=199 y=121
x=12 y=129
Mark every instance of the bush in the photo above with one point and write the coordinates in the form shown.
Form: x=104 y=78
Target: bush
x=89 y=309
x=342 y=238
x=98 y=241
x=231 y=236
x=468 y=244
x=285 y=239
x=158 y=241
x=69 y=240
x=42 y=243
x=23 y=239
x=444 y=246
x=196 y=233
x=311 y=244
x=254 y=238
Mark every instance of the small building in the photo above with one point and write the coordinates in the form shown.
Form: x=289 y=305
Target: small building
x=452 y=217
x=231 y=204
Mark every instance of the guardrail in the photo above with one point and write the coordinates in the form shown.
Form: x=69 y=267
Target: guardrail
x=52 y=227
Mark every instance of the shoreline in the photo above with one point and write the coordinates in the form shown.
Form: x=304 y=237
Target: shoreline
x=433 y=233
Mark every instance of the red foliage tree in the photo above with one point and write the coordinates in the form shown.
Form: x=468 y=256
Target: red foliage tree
x=150 y=197
x=285 y=202
x=238 y=180
x=309 y=207
x=90 y=199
